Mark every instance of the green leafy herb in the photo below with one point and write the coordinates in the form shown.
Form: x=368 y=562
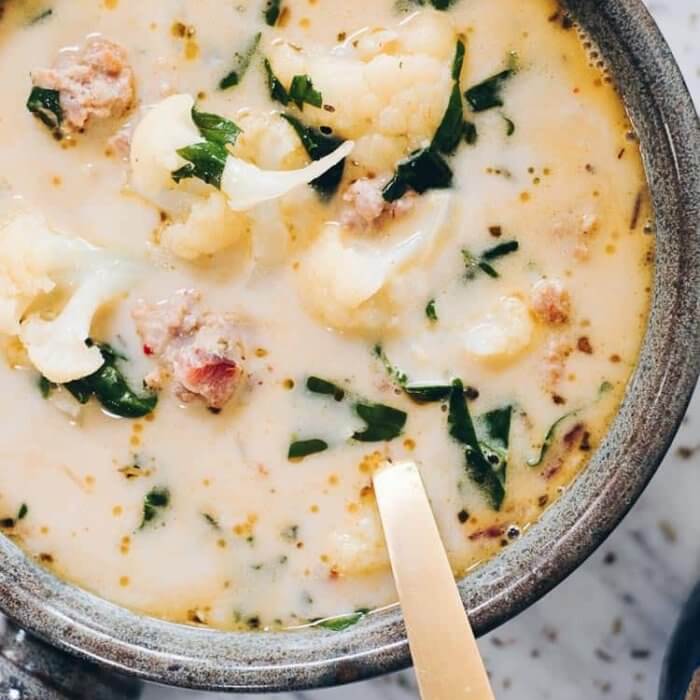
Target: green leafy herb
x=321 y=386
x=383 y=422
x=473 y=263
x=111 y=389
x=431 y=310
x=549 y=439
x=479 y=468
x=277 y=91
x=487 y=94
x=45 y=105
x=215 y=128
x=470 y=133
x=510 y=126
x=272 y=12
x=22 y=512
x=342 y=622
x=302 y=91
x=407 y=5
x=497 y=425
x=605 y=388
x=421 y=171
x=304 y=448
x=458 y=60
x=154 y=502
x=428 y=393
x=318 y=145
x=241 y=63
x=207 y=161
x=501 y=250
x=212 y=521
x=45 y=386
x=40 y=17
x=449 y=133
x=396 y=374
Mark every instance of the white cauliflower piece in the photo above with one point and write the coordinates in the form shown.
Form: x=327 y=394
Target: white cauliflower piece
x=57 y=348
x=246 y=185
x=342 y=275
x=503 y=333
x=211 y=226
x=169 y=126
x=359 y=548
x=269 y=142
x=34 y=262
x=390 y=83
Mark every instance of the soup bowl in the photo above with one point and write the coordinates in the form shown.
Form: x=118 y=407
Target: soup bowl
x=92 y=629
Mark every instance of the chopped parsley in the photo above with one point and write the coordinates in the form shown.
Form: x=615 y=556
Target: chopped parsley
x=212 y=521
x=483 y=262
x=318 y=145
x=321 y=386
x=241 y=63
x=383 y=423
x=549 y=439
x=207 y=159
x=428 y=393
x=431 y=311
x=272 y=11
x=45 y=105
x=510 y=125
x=480 y=458
x=422 y=170
x=488 y=93
x=449 y=133
x=302 y=91
x=109 y=386
x=40 y=17
x=154 y=502
x=305 y=448
x=23 y=510
x=401 y=378
x=277 y=91
x=341 y=622
x=470 y=133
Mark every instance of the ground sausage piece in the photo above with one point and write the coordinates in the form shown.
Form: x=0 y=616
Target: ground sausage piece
x=200 y=351
x=550 y=302
x=367 y=207
x=95 y=81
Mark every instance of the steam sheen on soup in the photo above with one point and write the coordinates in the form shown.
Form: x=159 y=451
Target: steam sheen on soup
x=251 y=250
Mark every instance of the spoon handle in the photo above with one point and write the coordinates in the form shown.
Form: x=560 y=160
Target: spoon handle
x=445 y=655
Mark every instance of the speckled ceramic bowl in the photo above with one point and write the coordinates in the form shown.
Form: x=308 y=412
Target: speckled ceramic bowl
x=669 y=129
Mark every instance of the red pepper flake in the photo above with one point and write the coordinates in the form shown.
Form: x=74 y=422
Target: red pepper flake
x=147 y=350
x=490 y=533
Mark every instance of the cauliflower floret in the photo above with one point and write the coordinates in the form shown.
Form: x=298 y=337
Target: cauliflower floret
x=57 y=348
x=503 y=333
x=34 y=262
x=341 y=276
x=210 y=227
x=394 y=86
x=269 y=142
x=359 y=548
x=169 y=126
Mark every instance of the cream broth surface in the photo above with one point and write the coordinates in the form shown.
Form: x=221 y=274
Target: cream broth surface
x=249 y=538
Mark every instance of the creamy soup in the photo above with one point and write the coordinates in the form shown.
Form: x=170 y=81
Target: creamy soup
x=250 y=251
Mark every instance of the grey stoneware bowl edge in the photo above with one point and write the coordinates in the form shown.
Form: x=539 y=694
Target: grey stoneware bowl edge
x=669 y=130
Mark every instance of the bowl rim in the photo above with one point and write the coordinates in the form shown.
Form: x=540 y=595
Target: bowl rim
x=660 y=389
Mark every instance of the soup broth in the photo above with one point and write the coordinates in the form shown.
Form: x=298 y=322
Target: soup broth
x=466 y=285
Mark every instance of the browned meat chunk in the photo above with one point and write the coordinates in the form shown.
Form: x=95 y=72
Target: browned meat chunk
x=200 y=351
x=95 y=81
x=366 y=206
x=550 y=302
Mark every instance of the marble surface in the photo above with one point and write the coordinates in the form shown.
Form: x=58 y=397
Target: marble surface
x=603 y=632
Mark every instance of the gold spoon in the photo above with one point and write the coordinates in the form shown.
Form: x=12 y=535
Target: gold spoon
x=446 y=658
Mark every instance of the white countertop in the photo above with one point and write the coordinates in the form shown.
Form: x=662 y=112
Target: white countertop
x=603 y=632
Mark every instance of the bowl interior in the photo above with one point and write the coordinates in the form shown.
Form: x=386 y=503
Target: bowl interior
x=669 y=129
